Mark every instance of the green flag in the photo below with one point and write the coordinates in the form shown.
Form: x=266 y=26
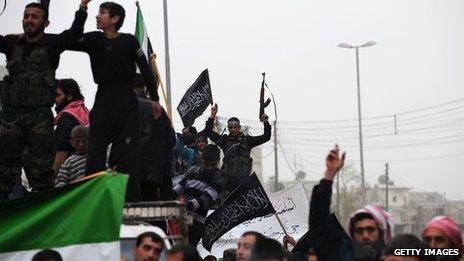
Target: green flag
x=80 y=221
x=142 y=36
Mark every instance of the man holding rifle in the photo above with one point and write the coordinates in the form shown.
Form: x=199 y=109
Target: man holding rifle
x=236 y=147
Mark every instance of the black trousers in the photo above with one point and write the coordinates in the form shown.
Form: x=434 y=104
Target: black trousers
x=114 y=119
x=157 y=192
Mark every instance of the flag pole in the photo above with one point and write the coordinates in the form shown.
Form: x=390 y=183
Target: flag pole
x=280 y=223
x=155 y=69
x=88 y=177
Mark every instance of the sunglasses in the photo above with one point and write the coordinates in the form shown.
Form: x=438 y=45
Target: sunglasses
x=360 y=230
x=438 y=239
x=155 y=249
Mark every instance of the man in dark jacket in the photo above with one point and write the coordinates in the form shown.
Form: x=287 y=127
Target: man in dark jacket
x=200 y=189
x=157 y=140
x=27 y=96
x=370 y=227
x=236 y=147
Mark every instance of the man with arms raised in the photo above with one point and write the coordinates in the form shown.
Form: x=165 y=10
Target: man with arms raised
x=27 y=96
x=370 y=227
x=236 y=146
x=114 y=116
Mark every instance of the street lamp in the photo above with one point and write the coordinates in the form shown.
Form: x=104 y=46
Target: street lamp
x=367 y=44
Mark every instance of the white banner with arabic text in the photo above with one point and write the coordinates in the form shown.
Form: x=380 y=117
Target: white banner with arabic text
x=291 y=205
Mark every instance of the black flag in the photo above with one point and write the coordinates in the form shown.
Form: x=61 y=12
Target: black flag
x=196 y=99
x=247 y=201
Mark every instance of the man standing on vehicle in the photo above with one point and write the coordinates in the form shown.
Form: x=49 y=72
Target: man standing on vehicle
x=27 y=95
x=114 y=116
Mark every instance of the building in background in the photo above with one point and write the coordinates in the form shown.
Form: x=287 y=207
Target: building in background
x=411 y=210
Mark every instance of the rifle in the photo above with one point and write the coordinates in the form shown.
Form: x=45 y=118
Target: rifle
x=262 y=104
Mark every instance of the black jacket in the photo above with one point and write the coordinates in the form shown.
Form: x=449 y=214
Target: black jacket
x=329 y=240
x=156 y=143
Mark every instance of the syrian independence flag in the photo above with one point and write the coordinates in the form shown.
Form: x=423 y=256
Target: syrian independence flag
x=142 y=37
x=247 y=201
x=196 y=99
x=80 y=221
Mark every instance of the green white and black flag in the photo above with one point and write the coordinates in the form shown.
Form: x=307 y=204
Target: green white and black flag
x=247 y=201
x=80 y=221
x=142 y=37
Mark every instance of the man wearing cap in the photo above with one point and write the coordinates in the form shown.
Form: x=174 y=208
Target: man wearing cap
x=236 y=147
x=443 y=232
x=199 y=190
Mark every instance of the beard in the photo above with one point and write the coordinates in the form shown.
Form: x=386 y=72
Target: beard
x=35 y=32
x=62 y=105
x=368 y=251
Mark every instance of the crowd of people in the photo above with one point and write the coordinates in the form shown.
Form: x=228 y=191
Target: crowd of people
x=128 y=131
x=370 y=235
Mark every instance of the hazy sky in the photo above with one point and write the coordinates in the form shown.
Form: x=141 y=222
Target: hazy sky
x=417 y=63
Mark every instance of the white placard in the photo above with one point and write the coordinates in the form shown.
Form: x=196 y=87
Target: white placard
x=292 y=207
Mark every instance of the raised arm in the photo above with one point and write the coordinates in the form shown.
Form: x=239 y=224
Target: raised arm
x=327 y=236
x=254 y=141
x=209 y=125
x=70 y=39
x=334 y=163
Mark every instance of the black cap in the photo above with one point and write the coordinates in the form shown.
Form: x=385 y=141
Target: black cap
x=200 y=137
x=211 y=153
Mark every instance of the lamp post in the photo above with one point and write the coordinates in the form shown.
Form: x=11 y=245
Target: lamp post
x=167 y=61
x=345 y=45
x=276 y=161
